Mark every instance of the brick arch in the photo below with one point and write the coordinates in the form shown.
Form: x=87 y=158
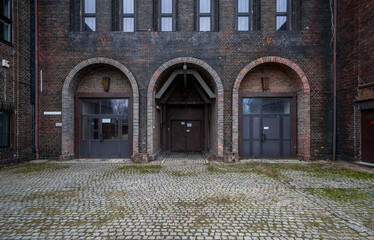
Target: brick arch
x=151 y=99
x=68 y=92
x=303 y=126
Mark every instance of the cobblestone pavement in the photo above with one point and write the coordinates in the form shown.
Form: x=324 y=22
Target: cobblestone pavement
x=185 y=198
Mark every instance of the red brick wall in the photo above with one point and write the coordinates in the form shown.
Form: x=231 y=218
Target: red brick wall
x=355 y=66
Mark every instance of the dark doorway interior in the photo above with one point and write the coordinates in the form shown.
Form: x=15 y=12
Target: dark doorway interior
x=367 y=135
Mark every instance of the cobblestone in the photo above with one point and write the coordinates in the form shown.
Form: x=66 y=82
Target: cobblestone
x=183 y=200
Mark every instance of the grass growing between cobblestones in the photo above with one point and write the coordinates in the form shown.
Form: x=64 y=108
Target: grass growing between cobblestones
x=183 y=174
x=34 y=167
x=341 y=194
x=143 y=169
x=55 y=195
x=274 y=170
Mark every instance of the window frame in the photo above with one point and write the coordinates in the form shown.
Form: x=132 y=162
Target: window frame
x=88 y=15
x=286 y=14
x=248 y=14
x=167 y=15
x=8 y=21
x=200 y=15
x=128 y=15
x=9 y=132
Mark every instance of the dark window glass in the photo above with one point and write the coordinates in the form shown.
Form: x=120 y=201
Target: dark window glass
x=5 y=20
x=90 y=106
x=125 y=129
x=128 y=15
x=4 y=129
x=251 y=105
x=95 y=128
x=114 y=106
x=110 y=128
x=282 y=15
x=89 y=15
x=166 y=15
x=85 y=128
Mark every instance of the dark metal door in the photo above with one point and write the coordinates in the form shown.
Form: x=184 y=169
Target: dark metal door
x=186 y=135
x=266 y=127
x=104 y=128
x=367 y=135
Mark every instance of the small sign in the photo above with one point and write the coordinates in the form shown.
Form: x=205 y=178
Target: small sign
x=266 y=128
x=58 y=124
x=52 y=113
x=189 y=124
x=106 y=120
x=183 y=123
x=188 y=130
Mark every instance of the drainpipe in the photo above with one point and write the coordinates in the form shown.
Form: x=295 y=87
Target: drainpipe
x=334 y=84
x=36 y=80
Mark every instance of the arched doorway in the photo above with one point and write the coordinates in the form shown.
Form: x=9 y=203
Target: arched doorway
x=100 y=111
x=271 y=110
x=185 y=108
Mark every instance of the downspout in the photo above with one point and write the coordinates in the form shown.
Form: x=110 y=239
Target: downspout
x=334 y=85
x=36 y=80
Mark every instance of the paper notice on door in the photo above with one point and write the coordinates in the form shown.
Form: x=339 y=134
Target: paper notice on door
x=266 y=128
x=189 y=124
x=106 y=120
x=183 y=123
x=188 y=130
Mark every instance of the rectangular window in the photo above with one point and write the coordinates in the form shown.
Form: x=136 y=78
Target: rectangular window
x=6 y=20
x=282 y=15
x=89 y=15
x=244 y=10
x=4 y=129
x=167 y=15
x=128 y=15
x=204 y=15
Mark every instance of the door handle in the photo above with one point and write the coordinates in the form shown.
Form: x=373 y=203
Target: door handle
x=263 y=137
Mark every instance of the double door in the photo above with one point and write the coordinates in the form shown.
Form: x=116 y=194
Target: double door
x=186 y=135
x=266 y=128
x=104 y=127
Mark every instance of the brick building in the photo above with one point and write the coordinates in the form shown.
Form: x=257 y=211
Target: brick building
x=185 y=76
x=250 y=78
x=355 y=80
x=16 y=101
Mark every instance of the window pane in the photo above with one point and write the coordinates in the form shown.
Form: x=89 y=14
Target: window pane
x=115 y=106
x=90 y=106
x=204 y=24
x=89 y=6
x=243 y=23
x=110 y=128
x=128 y=24
x=251 y=105
x=89 y=24
x=4 y=129
x=166 y=24
x=282 y=23
x=5 y=8
x=205 y=6
x=125 y=131
x=5 y=32
x=95 y=128
x=128 y=6
x=282 y=5
x=276 y=106
x=85 y=128
x=166 y=6
x=243 y=6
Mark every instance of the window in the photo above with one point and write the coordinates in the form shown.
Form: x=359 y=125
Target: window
x=243 y=15
x=5 y=20
x=89 y=15
x=248 y=15
x=166 y=15
x=282 y=15
x=204 y=15
x=128 y=16
x=4 y=129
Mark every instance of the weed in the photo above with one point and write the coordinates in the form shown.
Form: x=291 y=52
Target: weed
x=142 y=168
